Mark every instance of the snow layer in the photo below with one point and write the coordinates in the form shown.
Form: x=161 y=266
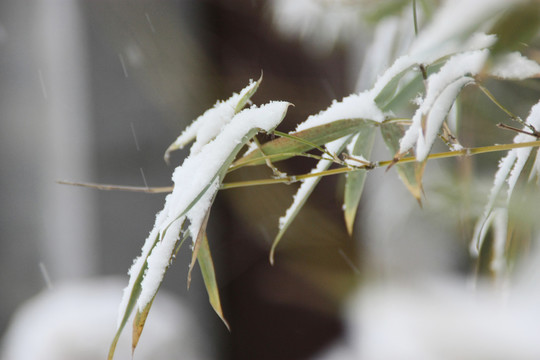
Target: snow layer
x=442 y=89
x=515 y=66
x=208 y=125
x=355 y=106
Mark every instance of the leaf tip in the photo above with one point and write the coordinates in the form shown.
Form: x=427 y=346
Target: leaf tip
x=350 y=226
x=271 y=256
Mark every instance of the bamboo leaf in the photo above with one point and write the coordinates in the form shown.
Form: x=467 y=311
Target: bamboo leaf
x=398 y=98
x=354 y=184
x=215 y=118
x=246 y=95
x=389 y=91
x=206 y=264
x=410 y=173
x=304 y=192
x=151 y=265
x=318 y=135
x=197 y=245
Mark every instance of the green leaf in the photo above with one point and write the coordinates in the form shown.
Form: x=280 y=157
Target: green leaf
x=219 y=174
x=197 y=245
x=389 y=91
x=302 y=195
x=247 y=96
x=318 y=135
x=206 y=264
x=410 y=173
x=354 y=184
x=395 y=96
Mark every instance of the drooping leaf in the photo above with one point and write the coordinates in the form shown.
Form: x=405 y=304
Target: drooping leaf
x=209 y=166
x=318 y=135
x=354 y=184
x=306 y=188
x=410 y=173
x=510 y=169
x=206 y=264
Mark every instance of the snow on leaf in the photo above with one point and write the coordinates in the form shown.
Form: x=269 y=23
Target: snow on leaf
x=197 y=179
x=208 y=125
x=514 y=66
x=303 y=192
x=437 y=113
x=355 y=106
x=510 y=168
x=442 y=89
x=481 y=227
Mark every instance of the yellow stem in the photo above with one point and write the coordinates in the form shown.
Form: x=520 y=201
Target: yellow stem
x=342 y=170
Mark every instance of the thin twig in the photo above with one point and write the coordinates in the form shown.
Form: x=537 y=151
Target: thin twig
x=296 y=178
x=109 y=187
x=536 y=134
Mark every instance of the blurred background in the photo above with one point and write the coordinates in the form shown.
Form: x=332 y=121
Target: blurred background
x=95 y=91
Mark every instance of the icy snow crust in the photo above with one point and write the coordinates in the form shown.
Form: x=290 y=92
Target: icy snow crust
x=196 y=182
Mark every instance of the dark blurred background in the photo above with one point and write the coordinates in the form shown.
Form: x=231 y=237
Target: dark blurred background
x=95 y=91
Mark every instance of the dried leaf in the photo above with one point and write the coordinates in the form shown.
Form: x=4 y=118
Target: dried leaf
x=138 y=325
